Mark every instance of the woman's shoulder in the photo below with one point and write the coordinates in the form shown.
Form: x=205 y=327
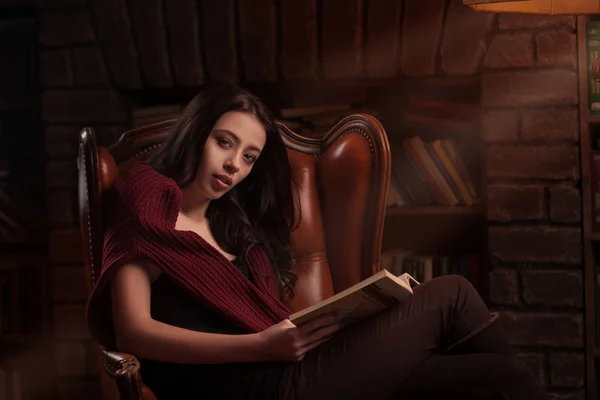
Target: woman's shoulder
x=142 y=184
x=141 y=178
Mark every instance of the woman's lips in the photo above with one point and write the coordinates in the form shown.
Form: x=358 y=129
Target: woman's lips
x=222 y=181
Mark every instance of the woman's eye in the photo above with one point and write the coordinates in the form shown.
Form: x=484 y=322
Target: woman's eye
x=250 y=158
x=224 y=142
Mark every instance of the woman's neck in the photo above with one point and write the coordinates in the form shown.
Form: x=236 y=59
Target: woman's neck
x=193 y=205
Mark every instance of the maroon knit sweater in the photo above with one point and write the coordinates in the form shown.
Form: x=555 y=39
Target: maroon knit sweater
x=141 y=226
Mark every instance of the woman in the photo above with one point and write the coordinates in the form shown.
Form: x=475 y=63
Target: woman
x=198 y=256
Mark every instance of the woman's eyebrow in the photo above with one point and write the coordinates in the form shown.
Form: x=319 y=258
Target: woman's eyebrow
x=236 y=138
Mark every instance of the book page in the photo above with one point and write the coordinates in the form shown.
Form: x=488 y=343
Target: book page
x=375 y=294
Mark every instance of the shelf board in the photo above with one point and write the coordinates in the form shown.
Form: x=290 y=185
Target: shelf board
x=433 y=211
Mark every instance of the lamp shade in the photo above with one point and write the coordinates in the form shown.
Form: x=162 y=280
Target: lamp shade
x=537 y=6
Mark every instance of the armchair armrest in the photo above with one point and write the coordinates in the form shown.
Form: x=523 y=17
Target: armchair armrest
x=124 y=368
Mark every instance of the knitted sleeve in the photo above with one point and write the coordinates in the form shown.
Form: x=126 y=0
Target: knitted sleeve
x=122 y=206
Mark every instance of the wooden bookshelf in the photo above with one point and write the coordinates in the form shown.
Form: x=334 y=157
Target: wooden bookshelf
x=438 y=108
x=591 y=240
x=428 y=107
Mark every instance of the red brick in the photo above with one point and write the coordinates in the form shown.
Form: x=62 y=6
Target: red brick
x=537 y=364
x=341 y=38
x=500 y=126
x=184 y=42
x=382 y=40
x=504 y=288
x=63 y=28
x=60 y=208
x=65 y=246
x=68 y=283
x=530 y=88
x=510 y=50
x=421 y=31
x=89 y=65
x=56 y=68
x=548 y=162
x=552 y=288
x=115 y=36
x=535 y=244
x=78 y=389
x=567 y=370
x=556 y=49
x=515 y=202
x=70 y=359
x=258 y=39
x=299 y=58
x=86 y=106
x=565 y=330
x=69 y=322
x=61 y=141
x=550 y=124
x=528 y=21
x=565 y=204
x=150 y=38
x=462 y=48
x=61 y=174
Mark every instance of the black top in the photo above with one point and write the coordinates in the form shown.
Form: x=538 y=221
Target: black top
x=170 y=304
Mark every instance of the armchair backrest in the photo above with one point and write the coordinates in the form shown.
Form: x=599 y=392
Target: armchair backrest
x=342 y=181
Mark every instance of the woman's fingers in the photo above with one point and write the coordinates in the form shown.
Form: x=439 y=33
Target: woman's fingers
x=318 y=336
x=313 y=345
x=324 y=335
x=317 y=323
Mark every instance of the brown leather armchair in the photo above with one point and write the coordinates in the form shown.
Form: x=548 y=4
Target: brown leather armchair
x=342 y=181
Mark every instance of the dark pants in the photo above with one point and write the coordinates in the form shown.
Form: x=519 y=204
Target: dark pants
x=443 y=339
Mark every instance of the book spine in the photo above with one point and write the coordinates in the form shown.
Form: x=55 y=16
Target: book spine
x=452 y=151
x=444 y=173
x=593 y=53
x=466 y=196
x=433 y=171
x=420 y=166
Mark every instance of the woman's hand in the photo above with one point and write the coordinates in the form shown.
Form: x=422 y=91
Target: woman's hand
x=287 y=342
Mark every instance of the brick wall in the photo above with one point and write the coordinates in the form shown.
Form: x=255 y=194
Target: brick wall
x=96 y=55
x=77 y=92
x=531 y=128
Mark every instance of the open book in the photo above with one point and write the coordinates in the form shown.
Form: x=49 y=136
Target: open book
x=366 y=298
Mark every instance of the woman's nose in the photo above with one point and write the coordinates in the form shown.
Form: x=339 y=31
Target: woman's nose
x=231 y=166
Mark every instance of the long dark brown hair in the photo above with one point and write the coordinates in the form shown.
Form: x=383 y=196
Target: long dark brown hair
x=263 y=203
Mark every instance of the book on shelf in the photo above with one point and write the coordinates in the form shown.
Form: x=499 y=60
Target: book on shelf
x=423 y=268
x=366 y=298
x=429 y=173
x=318 y=119
x=592 y=34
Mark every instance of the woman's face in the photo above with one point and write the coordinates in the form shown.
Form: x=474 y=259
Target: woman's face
x=231 y=149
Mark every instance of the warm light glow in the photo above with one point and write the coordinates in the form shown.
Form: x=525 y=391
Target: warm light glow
x=569 y=7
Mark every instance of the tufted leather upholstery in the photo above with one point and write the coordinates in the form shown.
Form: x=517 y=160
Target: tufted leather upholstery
x=342 y=180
